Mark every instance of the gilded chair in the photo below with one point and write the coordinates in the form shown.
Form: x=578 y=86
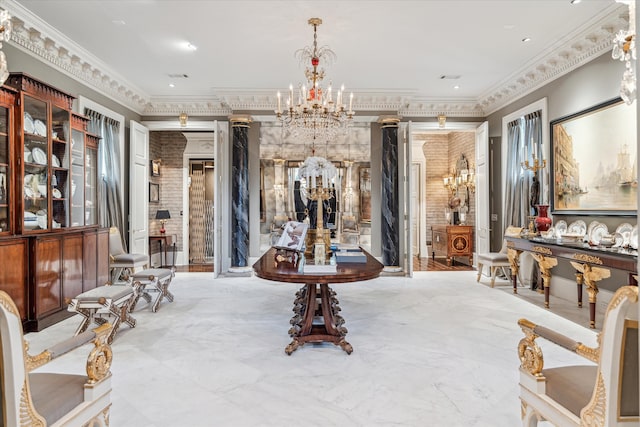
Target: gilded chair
x=121 y=260
x=604 y=393
x=496 y=260
x=46 y=398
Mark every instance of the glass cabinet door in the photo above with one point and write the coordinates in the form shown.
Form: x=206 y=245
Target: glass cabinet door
x=5 y=183
x=36 y=165
x=60 y=165
x=77 y=178
x=91 y=186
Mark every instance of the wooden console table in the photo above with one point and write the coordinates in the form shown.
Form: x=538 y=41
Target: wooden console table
x=452 y=241
x=315 y=298
x=165 y=241
x=592 y=264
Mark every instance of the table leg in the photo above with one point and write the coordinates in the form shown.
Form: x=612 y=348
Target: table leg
x=591 y=276
x=579 y=282
x=306 y=308
x=514 y=256
x=545 y=264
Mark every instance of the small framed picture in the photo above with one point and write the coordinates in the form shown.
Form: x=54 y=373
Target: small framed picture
x=154 y=192
x=155 y=168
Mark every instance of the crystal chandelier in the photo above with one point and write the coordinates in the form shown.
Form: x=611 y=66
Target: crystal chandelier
x=5 y=34
x=624 y=49
x=311 y=111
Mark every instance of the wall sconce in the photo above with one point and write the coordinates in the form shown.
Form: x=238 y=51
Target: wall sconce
x=442 y=120
x=183 y=119
x=463 y=178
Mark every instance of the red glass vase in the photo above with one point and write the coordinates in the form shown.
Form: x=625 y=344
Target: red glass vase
x=542 y=221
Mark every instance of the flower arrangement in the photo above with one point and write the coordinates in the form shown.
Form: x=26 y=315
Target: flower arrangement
x=314 y=167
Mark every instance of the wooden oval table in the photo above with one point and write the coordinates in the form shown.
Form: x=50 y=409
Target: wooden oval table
x=315 y=298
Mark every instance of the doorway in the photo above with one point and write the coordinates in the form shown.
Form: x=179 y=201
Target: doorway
x=201 y=211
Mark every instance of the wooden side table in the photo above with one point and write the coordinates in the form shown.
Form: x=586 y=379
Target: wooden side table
x=165 y=241
x=452 y=241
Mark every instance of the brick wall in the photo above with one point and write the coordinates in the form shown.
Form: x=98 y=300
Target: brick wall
x=168 y=146
x=441 y=152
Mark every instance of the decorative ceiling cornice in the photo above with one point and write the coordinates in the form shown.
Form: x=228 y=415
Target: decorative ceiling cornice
x=34 y=36
x=584 y=45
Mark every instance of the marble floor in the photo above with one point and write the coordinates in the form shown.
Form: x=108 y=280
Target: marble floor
x=435 y=350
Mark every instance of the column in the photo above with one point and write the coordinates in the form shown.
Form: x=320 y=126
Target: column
x=240 y=192
x=390 y=193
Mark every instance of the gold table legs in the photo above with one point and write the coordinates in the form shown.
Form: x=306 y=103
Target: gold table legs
x=590 y=276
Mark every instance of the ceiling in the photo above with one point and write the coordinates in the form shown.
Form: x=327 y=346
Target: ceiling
x=391 y=54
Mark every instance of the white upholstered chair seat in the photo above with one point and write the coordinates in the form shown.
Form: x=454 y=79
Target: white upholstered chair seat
x=121 y=260
x=496 y=260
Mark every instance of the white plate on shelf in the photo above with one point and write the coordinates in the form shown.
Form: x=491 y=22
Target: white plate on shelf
x=42 y=219
x=618 y=240
x=597 y=232
x=28 y=123
x=625 y=230
x=28 y=191
x=633 y=239
x=578 y=227
x=591 y=225
x=42 y=189
x=27 y=155
x=39 y=128
x=56 y=193
x=55 y=161
x=39 y=156
x=561 y=228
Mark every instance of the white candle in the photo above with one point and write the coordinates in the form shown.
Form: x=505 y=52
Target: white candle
x=324 y=179
x=351 y=102
x=314 y=181
x=291 y=94
x=279 y=109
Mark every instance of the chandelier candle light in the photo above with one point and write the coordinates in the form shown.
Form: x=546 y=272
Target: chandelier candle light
x=312 y=111
x=318 y=171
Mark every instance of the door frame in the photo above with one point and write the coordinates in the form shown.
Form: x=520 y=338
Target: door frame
x=434 y=128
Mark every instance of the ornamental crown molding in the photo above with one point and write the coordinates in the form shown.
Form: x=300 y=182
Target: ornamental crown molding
x=37 y=38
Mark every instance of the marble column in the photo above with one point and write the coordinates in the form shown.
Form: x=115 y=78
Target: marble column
x=240 y=191
x=390 y=200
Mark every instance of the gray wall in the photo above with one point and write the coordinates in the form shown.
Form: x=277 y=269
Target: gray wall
x=588 y=85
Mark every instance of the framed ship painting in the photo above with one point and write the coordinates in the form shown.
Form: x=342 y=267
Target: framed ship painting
x=594 y=161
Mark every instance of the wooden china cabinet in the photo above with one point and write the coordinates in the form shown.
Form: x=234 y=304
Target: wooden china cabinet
x=48 y=207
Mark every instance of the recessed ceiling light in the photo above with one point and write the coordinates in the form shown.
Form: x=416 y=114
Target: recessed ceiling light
x=526 y=39
x=456 y=87
x=172 y=85
x=575 y=1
